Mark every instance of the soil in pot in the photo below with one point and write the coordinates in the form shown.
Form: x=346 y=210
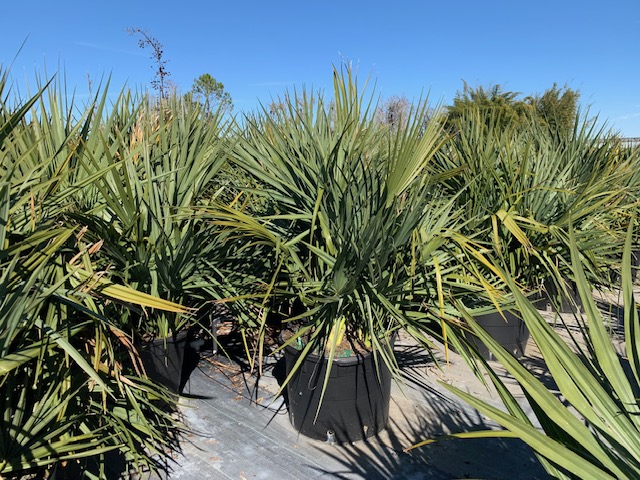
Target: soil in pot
x=356 y=401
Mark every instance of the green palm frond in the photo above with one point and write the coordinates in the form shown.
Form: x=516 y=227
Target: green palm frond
x=346 y=199
x=66 y=394
x=595 y=431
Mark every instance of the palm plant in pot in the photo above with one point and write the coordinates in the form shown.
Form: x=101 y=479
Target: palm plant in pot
x=520 y=190
x=67 y=400
x=159 y=160
x=586 y=425
x=347 y=197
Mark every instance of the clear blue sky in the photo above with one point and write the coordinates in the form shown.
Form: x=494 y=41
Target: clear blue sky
x=258 y=49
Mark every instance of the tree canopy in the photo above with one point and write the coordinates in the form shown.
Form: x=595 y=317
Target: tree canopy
x=555 y=107
x=394 y=111
x=210 y=93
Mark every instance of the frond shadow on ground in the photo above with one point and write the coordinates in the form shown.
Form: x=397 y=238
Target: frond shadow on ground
x=420 y=409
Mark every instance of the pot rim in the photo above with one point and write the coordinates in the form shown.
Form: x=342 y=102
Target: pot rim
x=356 y=358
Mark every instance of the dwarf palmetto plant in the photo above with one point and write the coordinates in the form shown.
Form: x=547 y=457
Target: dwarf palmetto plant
x=591 y=429
x=159 y=161
x=625 y=215
x=348 y=197
x=520 y=188
x=64 y=395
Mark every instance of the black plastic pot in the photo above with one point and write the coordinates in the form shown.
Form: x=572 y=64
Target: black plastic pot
x=568 y=301
x=356 y=402
x=163 y=360
x=616 y=278
x=509 y=331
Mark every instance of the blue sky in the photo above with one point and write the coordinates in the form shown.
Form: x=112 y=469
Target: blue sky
x=258 y=49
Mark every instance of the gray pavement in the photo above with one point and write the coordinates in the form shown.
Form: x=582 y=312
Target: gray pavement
x=240 y=430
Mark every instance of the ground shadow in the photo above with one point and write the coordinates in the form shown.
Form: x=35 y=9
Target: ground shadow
x=384 y=456
x=419 y=410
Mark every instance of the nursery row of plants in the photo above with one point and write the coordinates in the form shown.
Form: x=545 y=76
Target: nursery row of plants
x=129 y=220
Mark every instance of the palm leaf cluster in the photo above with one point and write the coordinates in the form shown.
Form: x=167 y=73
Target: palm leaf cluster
x=346 y=197
x=157 y=163
x=591 y=428
x=521 y=188
x=74 y=392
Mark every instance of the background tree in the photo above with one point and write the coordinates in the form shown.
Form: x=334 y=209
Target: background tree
x=504 y=105
x=210 y=93
x=160 y=82
x=557 y=108
x=394 y=111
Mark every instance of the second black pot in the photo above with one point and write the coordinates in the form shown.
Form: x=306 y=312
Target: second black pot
x=163 y=359
x=509 y=331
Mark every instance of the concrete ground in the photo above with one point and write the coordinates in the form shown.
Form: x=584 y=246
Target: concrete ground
x=240 y=428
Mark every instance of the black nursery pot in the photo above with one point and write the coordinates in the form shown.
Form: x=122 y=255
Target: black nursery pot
x=509 y=331
x=356 y=401
x=163 y=359
x=561 y=302
x=635 y=266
